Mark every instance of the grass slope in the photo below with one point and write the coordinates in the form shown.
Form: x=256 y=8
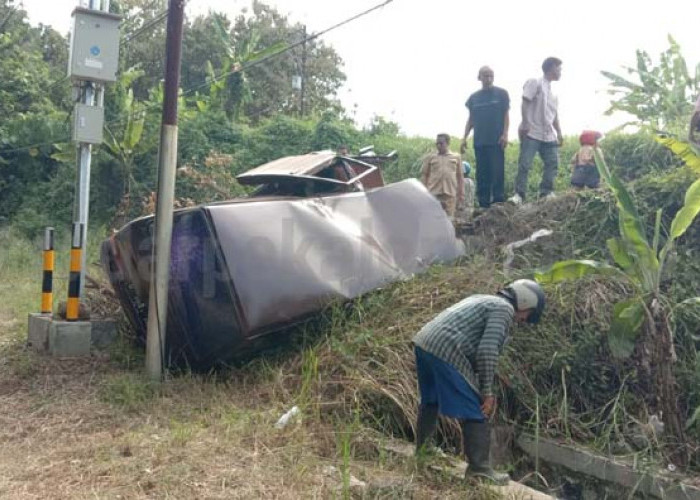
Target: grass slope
x=97 y=428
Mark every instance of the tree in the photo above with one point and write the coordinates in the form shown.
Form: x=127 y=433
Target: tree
x=205 y=44
x=29 y=119
x=230 y=89
x=648 y=310
x=660 y=95
x=271 y=82
x=143 y=40
x=24 y=72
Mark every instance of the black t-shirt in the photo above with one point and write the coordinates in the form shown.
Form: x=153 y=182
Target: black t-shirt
x=487 y=108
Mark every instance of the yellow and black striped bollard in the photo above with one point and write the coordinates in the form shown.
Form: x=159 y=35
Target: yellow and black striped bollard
x=47 y=278
x=73 y=305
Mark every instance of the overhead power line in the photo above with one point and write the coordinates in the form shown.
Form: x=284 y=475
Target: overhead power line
x=162 y=15
x=286 y=48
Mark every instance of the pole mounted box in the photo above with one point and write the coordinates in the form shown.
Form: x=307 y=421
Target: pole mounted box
x=94 y=46
x=88 y=122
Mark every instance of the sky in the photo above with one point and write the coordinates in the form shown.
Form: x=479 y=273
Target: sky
x=416 y=62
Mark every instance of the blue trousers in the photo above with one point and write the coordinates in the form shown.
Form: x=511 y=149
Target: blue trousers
x=549 y=152
x=441 y=384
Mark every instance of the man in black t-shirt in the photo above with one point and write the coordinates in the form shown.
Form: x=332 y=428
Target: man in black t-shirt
x=488 y=116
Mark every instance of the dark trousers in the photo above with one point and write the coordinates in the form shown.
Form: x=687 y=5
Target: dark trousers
x=490 y=161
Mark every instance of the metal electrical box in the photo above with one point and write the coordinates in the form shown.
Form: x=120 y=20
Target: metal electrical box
x=88 y=122
x=94 y=45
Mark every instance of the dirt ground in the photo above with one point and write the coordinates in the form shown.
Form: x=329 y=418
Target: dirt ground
x=95 y=428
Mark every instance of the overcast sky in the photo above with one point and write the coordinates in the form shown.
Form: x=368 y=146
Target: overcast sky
x=415 y=62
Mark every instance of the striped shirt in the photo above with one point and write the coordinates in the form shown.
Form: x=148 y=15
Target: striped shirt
x=470 y=334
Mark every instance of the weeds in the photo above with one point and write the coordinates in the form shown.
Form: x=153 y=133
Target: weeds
x=351 y=372
x=345 y=452
x=129 y=391
x=309 y=380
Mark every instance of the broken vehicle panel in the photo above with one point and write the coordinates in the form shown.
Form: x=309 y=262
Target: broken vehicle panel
x=249 y=267
x=315 y=174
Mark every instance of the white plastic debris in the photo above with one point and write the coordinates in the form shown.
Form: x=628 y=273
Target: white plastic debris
x=510 y=247
x=357 y=483
x=656 y=424
x=330 y=470
x=287 y=417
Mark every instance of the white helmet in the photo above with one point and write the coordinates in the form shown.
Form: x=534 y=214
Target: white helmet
x=528 y=294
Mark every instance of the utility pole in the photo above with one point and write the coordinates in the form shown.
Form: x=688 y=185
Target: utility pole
x=167 y=159
x=90 y=94
x=303 y=71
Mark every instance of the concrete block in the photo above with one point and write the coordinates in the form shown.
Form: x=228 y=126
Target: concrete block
x=69 y=338
x=455 y=468
x=608 y=470
x=104 y=332
x=502 y=437
x=38 y=331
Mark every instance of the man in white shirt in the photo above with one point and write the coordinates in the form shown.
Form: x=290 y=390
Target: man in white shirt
x=539 y=130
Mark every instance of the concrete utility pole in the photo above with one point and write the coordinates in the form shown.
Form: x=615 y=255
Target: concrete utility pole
x=167 y=159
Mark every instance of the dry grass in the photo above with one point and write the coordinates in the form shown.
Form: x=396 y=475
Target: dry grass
x=90 y=429
x=97 y=429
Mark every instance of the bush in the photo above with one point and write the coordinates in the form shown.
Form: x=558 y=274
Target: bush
x=331 y=132
x=632 y=156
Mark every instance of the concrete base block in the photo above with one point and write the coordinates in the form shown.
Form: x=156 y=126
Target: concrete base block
x=605 y=469
x=104 y=332
x=455 y=468
x=70 y=338
x=502 y=437
x=38 y=331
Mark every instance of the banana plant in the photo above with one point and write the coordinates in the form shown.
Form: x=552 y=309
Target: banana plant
x=123 y=145
x=638 y=261
x=686 y=151
x=230 y=90
x=641 y=263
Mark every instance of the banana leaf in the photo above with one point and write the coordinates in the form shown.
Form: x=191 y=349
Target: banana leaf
x=574 y=269
x=628 y=316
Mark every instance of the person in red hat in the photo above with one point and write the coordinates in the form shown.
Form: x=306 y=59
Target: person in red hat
x=584 y=172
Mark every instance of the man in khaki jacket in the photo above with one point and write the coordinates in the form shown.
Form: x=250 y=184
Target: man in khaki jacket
x=442 y=175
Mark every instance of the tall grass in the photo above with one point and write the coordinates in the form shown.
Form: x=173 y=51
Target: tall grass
x=21 y=269
x=21 y=263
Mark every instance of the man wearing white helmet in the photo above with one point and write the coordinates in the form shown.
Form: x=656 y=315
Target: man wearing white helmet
x=456 y=357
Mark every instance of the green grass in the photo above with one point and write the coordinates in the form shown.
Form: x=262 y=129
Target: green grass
x=21 y=266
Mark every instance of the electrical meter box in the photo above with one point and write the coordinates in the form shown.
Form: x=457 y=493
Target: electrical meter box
x=88 y=122
x=94 y=46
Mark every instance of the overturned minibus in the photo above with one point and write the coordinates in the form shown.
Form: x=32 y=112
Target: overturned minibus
x=318 y=228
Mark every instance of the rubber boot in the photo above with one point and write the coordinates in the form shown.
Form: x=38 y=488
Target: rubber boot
x=426 y=425
x=476 y=438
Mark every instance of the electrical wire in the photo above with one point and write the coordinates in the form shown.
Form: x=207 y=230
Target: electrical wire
x=287 y=48
x=149 y=24
x=209 y=81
